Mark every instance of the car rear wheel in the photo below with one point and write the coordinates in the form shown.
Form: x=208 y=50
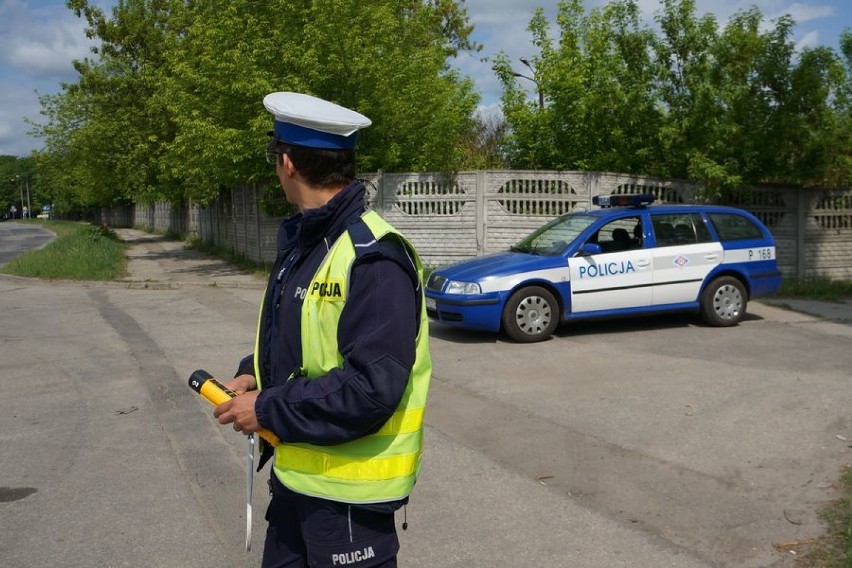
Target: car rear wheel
x=723 y=302
x=531 y=315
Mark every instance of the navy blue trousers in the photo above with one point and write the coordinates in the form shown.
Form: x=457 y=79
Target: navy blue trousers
x=309 y=532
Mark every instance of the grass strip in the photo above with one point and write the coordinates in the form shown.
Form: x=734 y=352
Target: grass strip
x=834 y=549
x=816 y=288
x=81 y=251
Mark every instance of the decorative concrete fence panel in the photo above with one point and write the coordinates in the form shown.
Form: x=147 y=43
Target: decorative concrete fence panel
x=436 y=212
x=826 y=234
x=454 y=217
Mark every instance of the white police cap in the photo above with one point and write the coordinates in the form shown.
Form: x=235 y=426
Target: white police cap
x=316 y=123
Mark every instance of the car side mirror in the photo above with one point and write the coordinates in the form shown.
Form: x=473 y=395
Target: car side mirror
x=590 y=249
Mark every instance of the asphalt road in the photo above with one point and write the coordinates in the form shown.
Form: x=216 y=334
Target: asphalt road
x=648 y=442
x=16 y=238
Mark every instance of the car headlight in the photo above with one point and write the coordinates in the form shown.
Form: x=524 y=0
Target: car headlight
x=454 y=287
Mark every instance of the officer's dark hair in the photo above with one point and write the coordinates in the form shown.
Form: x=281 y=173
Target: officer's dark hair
x=320 y=167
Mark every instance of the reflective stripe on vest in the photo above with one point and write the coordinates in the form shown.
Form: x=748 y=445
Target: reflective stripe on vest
x=379 y=467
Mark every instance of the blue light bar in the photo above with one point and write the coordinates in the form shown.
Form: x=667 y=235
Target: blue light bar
x=639 y=200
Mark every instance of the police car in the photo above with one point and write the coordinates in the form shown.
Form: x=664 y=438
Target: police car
x=628 y=257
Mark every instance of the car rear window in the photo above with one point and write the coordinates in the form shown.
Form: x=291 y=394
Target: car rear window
x=679 y=229
x=733 y=227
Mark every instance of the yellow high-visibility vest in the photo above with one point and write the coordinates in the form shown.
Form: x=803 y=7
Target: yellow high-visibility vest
x=379 y=467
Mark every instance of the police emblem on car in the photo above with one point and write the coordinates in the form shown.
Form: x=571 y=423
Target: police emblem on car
x=627 y=257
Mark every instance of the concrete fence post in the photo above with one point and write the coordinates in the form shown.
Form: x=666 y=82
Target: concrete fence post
x=481 y=211
x=257 y=224
x=381 y=207
x=802 y=208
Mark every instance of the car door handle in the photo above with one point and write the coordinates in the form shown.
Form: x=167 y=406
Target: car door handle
x=643 y=263
x=711 y=257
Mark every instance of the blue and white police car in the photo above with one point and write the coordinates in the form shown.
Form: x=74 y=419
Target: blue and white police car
x=628 y=257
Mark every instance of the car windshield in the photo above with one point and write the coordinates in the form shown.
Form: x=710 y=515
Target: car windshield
x=552 y=238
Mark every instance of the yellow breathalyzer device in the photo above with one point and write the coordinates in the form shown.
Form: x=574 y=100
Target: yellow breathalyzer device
x=215 y=392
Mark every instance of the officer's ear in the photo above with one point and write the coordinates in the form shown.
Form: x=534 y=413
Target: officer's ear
x=287 y=164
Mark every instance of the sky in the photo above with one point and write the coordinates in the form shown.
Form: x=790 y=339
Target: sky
x=39 y=39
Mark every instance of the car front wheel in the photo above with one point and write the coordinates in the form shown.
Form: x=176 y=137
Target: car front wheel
x=531 y=315
x=723 y=302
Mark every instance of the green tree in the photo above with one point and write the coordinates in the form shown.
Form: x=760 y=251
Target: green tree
x=839 y=168
x=725 y=107
x=745 y=108
x=170 y=106
x=535 y=140
x=685 y=94
x=598 y=84
x=619 y=116
x=9 y=185
x=820 y=148
x=18 y=181
x=103 y=134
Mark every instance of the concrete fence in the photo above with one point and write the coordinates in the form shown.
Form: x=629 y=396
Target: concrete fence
x=449 y=218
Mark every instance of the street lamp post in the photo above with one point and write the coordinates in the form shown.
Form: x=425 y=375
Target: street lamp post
x=25 y=209
x=526 y=62
x=17 y=179
x=528 y=78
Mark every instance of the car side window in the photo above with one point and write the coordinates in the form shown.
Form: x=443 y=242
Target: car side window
x=733 y=227
x=673 y=229
x=620 y=235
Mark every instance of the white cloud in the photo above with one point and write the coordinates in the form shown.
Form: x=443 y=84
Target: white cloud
x=805 y=13
x=18 y=102
x=5 y=131
x=503 y=23
x=810 y=39
x=40 y=46
x=38 y=42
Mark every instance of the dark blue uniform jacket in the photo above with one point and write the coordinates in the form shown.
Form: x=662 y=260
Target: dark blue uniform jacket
x=376 y=333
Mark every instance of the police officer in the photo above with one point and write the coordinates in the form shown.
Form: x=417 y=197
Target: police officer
x=341 y=365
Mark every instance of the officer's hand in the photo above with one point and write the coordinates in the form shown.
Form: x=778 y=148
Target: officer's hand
x=241 y=384
x=239 y=411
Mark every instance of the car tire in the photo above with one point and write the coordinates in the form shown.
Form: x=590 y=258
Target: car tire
x=724 y=302
x=531 y=315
